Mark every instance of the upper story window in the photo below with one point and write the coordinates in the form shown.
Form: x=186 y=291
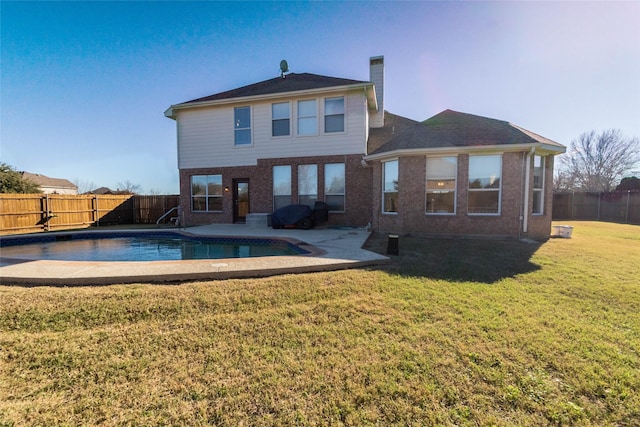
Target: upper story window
x=280 y=119
x=538 y=185
x=390 y=187
x=484 y=184
x=206 y=193
x=334 y=114
x=307 y=117
x=281 y=186
x=334 y=186
x=307 y=185
x=441 y=185
x=242 y=125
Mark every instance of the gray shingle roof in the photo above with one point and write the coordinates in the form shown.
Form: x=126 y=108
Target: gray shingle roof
x=290 y=83
x=454 y=129
x=393 y=125
x=45 y=181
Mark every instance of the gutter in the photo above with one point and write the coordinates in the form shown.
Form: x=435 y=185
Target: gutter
x=442 y=151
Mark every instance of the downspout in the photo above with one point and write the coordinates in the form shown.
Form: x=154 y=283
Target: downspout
x=525 y=221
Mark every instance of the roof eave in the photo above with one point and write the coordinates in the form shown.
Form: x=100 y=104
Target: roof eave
x=367 y=87
x=540 y=148
x=169 y=113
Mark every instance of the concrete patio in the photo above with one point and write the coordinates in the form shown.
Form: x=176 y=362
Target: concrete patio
x=331 y=249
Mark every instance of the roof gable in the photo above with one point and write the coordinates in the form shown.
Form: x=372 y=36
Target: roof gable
x=289 y=83
x=452 y=129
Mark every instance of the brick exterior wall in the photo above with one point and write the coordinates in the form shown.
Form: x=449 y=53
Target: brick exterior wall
x=363 y=196
x=411 y=216
x=358 y=191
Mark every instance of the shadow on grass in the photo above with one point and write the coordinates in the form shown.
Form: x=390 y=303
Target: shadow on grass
x=457 y=259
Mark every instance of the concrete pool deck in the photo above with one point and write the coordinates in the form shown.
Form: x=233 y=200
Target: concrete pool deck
x=331 y=249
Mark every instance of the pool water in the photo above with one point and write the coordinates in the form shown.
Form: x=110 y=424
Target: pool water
x=165 y=247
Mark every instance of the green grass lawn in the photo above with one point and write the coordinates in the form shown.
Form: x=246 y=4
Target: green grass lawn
x=451 y=332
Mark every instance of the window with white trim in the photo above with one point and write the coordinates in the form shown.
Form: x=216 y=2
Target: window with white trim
x=334 y=114
x=390 y=186
x=242 y=125
x=538 y=185
x=206 y=193
x=281 y=186
x=441 y=185
x=484 y=184
x=307 y=185
x=280 y=119
x=307 y=117
x=334 y=186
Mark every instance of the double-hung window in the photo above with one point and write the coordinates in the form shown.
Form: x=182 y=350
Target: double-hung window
x=484 y=184
x=390 y=187
x=280 y=119
x=307 y=185
x=334 y=186
x=334 y=114
x=281 y=186
x=242 y=125
x=441 y=185
x=307 y=117
x=206 y=193
x=538 y=185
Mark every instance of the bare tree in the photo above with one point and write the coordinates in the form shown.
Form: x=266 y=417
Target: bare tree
x=84 y=186
x=128 y=187
x=597 y=161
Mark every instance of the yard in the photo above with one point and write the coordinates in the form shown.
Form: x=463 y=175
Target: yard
x=452 y=332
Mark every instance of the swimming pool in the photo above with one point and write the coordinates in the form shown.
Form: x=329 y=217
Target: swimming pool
x=141 y=246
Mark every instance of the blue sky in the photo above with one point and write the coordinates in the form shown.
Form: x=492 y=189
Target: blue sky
x=84 y=84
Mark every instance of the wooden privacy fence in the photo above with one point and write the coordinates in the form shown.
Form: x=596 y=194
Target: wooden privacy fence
x=29 y=213
x=615 y=206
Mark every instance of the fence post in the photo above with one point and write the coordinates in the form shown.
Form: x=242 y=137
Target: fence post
x=97 y=211
x=573 y=205
x=47 y=214
x=599 y=199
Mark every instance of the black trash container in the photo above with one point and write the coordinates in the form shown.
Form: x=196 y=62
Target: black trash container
x=321 y=211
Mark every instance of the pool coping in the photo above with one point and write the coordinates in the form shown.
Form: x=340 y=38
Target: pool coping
x=329 y=249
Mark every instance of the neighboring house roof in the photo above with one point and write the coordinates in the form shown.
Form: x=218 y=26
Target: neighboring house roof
x=451 y=130
x=46 y=182
x=288 y=84
x=102 y=190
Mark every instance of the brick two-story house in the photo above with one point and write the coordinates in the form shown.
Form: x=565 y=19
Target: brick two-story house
x=298 y=138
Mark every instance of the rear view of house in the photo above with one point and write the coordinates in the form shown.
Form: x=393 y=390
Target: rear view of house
x=302 y=138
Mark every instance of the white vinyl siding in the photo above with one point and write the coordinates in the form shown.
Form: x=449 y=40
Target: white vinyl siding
x=206 y=138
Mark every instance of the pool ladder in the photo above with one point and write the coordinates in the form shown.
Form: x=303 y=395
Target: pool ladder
x=176 y=220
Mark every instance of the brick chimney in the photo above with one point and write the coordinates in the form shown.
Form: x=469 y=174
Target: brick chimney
x=376 y=75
